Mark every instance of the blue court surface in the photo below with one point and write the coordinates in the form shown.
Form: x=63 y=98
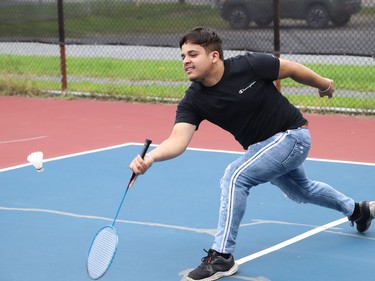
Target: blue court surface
x=49 y=219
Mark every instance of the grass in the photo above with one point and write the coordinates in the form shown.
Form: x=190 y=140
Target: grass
x=349 y=77
x=158 y=79
x=106 y=18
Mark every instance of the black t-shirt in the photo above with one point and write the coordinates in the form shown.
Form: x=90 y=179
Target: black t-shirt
x=245 y=102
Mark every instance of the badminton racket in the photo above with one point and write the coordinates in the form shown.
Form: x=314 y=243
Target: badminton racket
x=104 y=245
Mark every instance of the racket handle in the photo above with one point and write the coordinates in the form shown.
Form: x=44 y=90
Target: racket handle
x=146 y=145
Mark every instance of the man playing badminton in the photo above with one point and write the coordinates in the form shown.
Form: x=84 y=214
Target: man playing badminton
x=238 y=94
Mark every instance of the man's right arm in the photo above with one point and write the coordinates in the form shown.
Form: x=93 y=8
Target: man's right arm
x=173 y=146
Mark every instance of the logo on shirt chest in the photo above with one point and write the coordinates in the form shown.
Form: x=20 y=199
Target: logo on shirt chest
x=244 y=89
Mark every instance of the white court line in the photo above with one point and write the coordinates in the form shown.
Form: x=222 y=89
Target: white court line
x=211 y=232
x=68 y=214
x=292 y=240
x=70 y=155
x=23 y=140
x=154 y=145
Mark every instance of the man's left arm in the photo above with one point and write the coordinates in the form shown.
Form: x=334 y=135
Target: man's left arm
x=306 y=76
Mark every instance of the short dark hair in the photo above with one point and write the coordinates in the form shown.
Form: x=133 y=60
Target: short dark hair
x=206 y=37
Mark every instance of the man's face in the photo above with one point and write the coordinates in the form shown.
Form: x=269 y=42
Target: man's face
x=196 y=62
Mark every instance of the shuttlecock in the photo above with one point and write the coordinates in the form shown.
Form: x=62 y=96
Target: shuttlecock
x=36 y=158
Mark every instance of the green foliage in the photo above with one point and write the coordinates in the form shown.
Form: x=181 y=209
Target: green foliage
x=100 y=17
x=159 y=80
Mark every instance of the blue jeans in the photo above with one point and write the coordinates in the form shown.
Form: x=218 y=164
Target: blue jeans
x=278 y=160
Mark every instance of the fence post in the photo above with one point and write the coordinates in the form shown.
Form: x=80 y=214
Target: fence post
x=60 y=10
x=276 y=33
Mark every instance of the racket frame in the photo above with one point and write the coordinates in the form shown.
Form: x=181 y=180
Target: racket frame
x=146 y=145
x=89 y=272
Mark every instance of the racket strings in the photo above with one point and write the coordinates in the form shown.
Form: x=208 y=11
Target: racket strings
x=102 y=251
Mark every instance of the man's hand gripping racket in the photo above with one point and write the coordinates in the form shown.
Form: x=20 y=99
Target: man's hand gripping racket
x=104 y=245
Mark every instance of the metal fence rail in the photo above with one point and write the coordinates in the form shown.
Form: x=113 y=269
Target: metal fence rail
x=129 y=49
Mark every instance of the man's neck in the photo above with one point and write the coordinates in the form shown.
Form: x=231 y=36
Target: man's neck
x=215 y=76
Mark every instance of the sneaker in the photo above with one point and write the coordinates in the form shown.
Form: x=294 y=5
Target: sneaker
x=213 y=267
x=367 y=214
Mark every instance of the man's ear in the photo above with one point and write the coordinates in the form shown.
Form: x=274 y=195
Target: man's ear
x=215 y=56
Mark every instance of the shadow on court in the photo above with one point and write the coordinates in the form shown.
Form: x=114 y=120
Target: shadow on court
x=49 y=219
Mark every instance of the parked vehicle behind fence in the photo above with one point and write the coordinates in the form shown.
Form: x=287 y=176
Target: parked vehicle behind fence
x=316 y=13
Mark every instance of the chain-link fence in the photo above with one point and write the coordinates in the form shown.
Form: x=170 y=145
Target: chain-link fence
x=128 y=49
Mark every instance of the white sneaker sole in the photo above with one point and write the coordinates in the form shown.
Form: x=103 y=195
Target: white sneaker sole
x=219 y=274
x=372 y=209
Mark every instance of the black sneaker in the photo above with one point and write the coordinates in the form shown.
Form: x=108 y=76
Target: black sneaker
x=363 y=223
x=213 y=267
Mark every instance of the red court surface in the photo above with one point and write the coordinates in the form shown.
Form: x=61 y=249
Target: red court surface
x=59 y=127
